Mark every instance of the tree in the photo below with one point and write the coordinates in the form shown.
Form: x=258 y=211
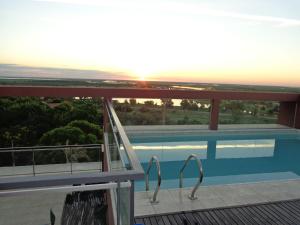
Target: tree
x=149 y=103
x=185 y=104
x=168 y=103
x=132 y=101
x=189 y=105
x=59 y=136
x=236 y=108
x=87 y=127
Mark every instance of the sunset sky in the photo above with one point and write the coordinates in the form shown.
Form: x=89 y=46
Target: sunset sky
x=221 y=41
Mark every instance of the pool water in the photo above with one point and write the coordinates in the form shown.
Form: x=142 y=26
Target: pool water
x=225 y=159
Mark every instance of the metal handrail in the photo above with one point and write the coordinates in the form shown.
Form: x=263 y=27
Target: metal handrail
x=47 y=148
x=132 y=157
x=192 y=195
x=35 y=149
x=154 y=200
x=88 y=187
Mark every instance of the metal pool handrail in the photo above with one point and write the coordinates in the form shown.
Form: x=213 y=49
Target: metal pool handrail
x=199 y=164
x=158 y=177
x=133 y=159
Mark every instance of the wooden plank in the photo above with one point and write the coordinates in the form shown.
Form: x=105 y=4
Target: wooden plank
x=139 y=220
x=207 y=218
x=153 y=220
x=215 y=217
x=190 y=218
x=199 y=219
x=295 y=205
x=244 y=211
x=178 y=219
x=221 y=217
x=289 y=212
x=278 y=213
x=234 y=216
x=268 y=218
x=242 y=217
x=274 y=214
x=264 y=219
x=166 y=220
x=275 y=208
x=159 y=220
x=292 y=209
x=147 y=221
x=172 y=220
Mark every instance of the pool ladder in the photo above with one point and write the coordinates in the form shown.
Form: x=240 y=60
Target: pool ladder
x=154 y=158
x=153 y=200
x=200 y=178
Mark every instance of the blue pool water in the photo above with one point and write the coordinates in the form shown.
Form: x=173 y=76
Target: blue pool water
x=226 y=159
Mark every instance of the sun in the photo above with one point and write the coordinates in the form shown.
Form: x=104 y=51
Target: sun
x=142 y=74
x=142 y=77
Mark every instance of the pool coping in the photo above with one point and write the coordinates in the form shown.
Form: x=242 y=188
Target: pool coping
x=226 y=195
x=182 y=130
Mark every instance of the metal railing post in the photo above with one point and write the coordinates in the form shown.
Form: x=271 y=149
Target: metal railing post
x=118 y=203
x=13 y=157
x=131 y=214
x=71 y=154
x=33 y=163
x=101 y=157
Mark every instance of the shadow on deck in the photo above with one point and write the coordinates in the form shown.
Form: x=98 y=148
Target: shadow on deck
x=277 y=213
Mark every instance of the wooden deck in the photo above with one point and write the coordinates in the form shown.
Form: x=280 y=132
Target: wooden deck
x=274 y=213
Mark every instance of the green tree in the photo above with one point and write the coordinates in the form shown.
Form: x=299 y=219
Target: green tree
x=168 y=103
x=59 y=136
x=149 y=103
x=132 y=101
x=87 y=127
x=185 y=104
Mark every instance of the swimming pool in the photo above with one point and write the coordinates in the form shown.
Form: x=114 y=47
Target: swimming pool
x=226 y=159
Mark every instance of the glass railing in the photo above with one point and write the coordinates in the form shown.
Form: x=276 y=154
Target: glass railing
x=121 y=157
x=65 y=205
x=64 y=184
x=42 y=160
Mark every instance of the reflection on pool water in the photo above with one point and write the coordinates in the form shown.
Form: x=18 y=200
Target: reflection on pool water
x=226 y=160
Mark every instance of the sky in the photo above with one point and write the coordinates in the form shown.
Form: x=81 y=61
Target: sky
x=220 y=41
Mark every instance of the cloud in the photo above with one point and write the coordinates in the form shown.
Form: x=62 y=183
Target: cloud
x=13 y=70
x=189 y=8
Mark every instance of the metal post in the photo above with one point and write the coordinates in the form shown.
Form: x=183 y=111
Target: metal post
x=71 y=150
x=13 y=157
x=101 y=158
x=33 y=163
x=131 y=214
x=13 y=153
x=118 y=202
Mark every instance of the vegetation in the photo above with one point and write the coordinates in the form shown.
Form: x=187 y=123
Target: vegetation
x=30 y=81
x=35 y=121
x=195 y=112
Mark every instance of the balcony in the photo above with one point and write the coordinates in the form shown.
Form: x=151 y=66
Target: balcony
x=43 y=191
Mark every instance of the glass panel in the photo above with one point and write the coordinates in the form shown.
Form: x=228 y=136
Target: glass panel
x=60 y=207
x=50 y=160
x=85 y=159
x=248 y=112
x=116 y=163
x=124 y=212
x=162 y=111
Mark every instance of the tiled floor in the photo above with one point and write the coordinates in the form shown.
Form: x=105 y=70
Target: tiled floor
x=174 y=200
